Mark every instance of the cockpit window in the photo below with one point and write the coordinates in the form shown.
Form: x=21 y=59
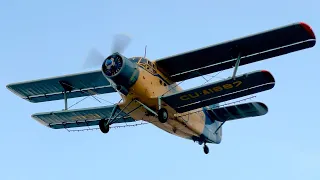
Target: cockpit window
x=145 y=64
x=135 y=59
x=143 y=60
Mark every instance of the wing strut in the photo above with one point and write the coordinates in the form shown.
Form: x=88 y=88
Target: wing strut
x=236 y=51
x=67 y=87
x=236 y=67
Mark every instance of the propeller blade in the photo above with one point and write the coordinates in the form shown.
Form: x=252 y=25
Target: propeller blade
x=94 y=59
x=120 y=43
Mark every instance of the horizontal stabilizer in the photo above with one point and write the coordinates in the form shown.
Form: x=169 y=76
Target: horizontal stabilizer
x=79 y=117
x=50 y=89
x=239 y=111
x=252 y=48
x=220 y=91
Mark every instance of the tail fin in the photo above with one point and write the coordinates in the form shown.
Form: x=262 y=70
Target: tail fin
x=212 y=130
x=216 y=115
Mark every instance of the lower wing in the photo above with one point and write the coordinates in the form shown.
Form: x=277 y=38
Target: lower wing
x=80 y=117
x=220 y=91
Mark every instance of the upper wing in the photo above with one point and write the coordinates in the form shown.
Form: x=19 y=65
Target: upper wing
x=220 y=91
x=83 y=84
x=79 y=117
x=223 y=56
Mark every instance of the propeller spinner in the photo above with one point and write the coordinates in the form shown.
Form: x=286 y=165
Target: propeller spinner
x=112 y=64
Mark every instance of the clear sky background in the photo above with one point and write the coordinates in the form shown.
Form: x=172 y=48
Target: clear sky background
x=48 y=38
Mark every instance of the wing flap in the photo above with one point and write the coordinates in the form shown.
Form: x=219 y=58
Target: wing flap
x=253 y=48
x=79 y=117
x=50 y=89
x=238 y=111
x=220 y=91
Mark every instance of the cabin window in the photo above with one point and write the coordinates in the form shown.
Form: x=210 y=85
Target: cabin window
x=160 y=82
x=135 y=60
x=143 y=60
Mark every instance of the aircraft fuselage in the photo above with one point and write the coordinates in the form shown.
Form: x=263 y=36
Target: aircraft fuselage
x=151 y=84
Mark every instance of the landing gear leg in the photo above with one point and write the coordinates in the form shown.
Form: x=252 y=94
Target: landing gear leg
x=205 y=148
x=104 y=126
x=162 y=113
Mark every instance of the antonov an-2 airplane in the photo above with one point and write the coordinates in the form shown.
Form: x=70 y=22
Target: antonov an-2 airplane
x=150 y=93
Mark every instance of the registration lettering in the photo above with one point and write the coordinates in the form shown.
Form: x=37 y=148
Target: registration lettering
x=214 y=89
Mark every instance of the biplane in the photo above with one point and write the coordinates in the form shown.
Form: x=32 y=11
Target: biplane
x=150 y=91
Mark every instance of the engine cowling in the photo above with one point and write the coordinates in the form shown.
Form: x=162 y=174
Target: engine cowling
x=121 y=72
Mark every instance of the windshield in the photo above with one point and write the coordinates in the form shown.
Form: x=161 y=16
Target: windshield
x=135 y=59
x=143 y=61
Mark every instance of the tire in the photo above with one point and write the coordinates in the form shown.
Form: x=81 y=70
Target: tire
x=163 y=115
x=205 y=149
x=104 y=127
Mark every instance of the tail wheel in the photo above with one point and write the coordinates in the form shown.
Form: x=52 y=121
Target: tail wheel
x=206 y=149
x=163 y=115
x=104 y=126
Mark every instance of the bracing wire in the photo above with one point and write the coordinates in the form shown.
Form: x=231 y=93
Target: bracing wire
x=90 y=95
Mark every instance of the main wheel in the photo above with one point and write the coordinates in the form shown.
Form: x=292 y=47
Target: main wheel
x=163 y=115
x=104 y=126
x=205 y=149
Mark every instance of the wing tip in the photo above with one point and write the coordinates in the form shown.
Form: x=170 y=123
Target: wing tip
x=263 y=108
x=34 y=116
x=308 y=29
x=265 y=71
x=9 y=87
x=269 y=75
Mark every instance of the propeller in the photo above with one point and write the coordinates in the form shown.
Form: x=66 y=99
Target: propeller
x=119 y=44
x=95 y=58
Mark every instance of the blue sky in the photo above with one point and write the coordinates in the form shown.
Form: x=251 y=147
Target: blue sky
x=49 y=38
